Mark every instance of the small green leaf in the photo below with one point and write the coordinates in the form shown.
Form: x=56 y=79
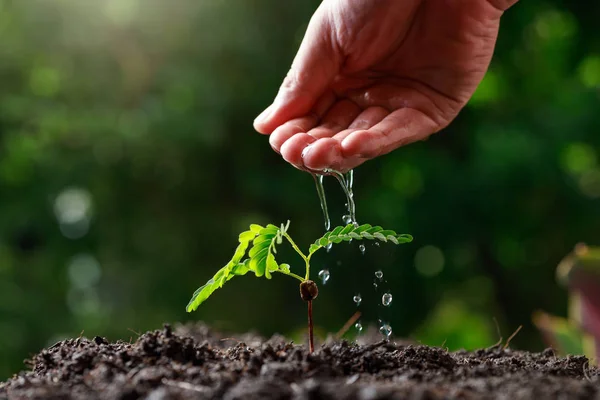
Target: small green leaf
x=346 y=229
x=374 y=229
x=362 y=228
x=350 y=232
x=284 y=268
x=246 y=236
x=378 y=235
x=337 y=230
x=271 y=263
x=256 y=228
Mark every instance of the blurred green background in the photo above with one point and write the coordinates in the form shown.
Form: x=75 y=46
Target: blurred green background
x=128 y=165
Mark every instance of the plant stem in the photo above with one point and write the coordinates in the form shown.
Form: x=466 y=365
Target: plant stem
x=295 y=247
x=293 y=275
x=306 y=259
x=311 y=343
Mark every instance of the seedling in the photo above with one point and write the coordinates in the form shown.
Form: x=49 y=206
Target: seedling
x=262 y=243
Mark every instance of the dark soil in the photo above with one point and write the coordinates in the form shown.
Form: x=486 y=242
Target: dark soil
x=195 y=363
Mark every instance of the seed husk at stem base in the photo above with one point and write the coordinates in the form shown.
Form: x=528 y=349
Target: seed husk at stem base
x=308 y=292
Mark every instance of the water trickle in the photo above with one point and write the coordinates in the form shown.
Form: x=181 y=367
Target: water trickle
x=386 y=299
x=322 y=199
x=324 y=275
x=362 y=248
x=357 y=299
x=358 y=327
x=346 y=182
x=386 y=330
x=379 y=275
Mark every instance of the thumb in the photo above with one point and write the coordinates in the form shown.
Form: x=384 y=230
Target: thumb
x=315 y=66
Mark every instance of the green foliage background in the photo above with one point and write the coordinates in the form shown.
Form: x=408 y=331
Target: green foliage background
x=128 y=165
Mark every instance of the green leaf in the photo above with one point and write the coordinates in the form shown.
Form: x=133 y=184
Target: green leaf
x=284 y=267
x=256 y=228
x=261 y=261
x=223 y=275
x=262 y=253
x=350 y=232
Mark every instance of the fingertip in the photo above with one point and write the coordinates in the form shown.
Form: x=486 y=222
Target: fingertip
x=261 y=123
x=359 y=144
x=292 y=149
x=322 y=154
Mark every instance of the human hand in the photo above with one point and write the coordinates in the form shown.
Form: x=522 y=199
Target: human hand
x=373 y=75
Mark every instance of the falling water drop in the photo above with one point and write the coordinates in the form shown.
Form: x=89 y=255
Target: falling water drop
x=386 y=299
x=358 y=327
x=375 y=285
x=324 y=275
x=328 y=247
x=379 y=275
x=357 y=299
x=362 y=248
x=386 y=330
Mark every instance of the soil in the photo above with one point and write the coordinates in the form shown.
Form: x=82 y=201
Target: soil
x=193 y=362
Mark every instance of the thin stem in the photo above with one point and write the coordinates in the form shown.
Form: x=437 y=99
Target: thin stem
x=306 y=259
x=311 y=343
x=293 y=275
x=294 y=246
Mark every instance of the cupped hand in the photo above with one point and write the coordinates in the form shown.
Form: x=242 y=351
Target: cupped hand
x=373 y=75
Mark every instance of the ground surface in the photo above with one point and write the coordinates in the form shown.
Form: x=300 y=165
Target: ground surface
x=195 y=363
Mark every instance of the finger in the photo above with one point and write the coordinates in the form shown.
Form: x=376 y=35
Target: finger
x=315 y=66
x=302 y=124
x=369 y=117
x=366 y=119
x=399 y=128
x=502 y=5
x=289 y=129
x=291 y=150
x=337 y=118
x=323 y=153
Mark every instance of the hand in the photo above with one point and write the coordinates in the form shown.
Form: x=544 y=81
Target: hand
x=373 y=75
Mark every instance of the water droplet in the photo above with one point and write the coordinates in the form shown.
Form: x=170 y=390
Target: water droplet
x=362 y=248
x=324 y=275
x=357 y=299
x=386 y=299
x=377 y=244
x=379 y=275
x=375 y=285
x=358 y=326
x=328 y=247
x=385 y=330
x=347 y=219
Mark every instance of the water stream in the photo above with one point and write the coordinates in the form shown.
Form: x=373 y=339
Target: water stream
x=346 y=181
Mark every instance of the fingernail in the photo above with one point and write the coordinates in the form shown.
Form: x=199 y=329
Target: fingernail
x=264 y=115
x=306 y=150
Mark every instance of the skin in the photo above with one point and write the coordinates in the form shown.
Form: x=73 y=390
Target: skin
x=374 y=75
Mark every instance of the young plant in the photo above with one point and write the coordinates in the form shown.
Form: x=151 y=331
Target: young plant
x=260 y=244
